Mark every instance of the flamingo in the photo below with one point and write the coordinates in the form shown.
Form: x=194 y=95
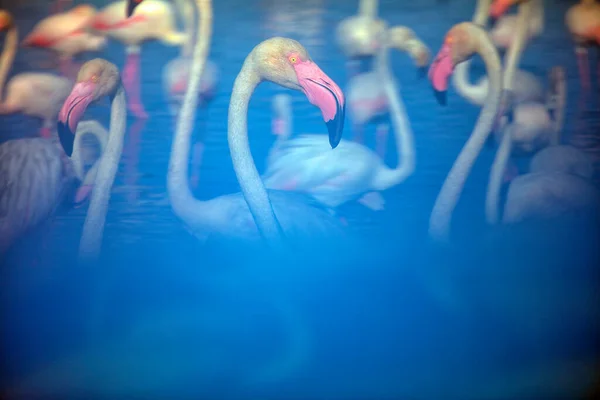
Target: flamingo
x=366 y=92
x=97 y=78
x=462 y=42
x=503 y=32
x=175 y=78
x=526 y=87
x=36 y=177
x=357 y=36
x=154 y=20
x=66 y=34
x=306 y=164
x=254 y=213
x=35 y=94
x=583 y=23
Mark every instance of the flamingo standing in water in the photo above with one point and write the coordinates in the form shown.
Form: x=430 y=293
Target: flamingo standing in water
x=36 y=178
x=358 y=36
x=35 y=94
x=367 y=97
x=306 y=164
x=462 y=42
x=154 y=20
x=255 y=212
x=97 y=78
x=67 y=34
x=175 y=79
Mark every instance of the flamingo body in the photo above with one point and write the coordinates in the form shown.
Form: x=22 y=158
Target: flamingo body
x=532 y=128
x=563 y=158
x=543 y=195
x=153 y=19
x=366 y=97
x=176 y=74
x=503 y=32
x=65 y=33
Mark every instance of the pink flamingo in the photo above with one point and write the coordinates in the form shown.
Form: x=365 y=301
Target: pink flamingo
x=583 y=22
x=367 y=97
x=153 y=20
x=35 y=94
x=306 y=164
x=66 y=34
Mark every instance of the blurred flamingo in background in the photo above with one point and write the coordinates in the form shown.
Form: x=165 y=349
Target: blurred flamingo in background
x=583 y=23
x=306 y=164
x=175 y=81
x=152 y=20
x=367 y=97
x=67 y=34
x=358 y=36
x=504 y=30
x=462 y=42
x=34 y=94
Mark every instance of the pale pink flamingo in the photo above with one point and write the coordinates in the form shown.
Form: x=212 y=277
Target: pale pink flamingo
x=504 y=30
x=36 y=178
x=254 y=213
x=96 y=79
x=153 y=20
x=35 y=94
x=462 y=42
x=175 y=79
x=358 y=36
x=583 y=22
x=367 y=99
x=67 y=34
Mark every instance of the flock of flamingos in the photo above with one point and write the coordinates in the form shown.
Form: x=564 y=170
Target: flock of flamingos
x=308 y=176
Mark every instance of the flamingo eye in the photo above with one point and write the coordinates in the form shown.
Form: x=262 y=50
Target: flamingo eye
x=449 y=39
x=293 y=59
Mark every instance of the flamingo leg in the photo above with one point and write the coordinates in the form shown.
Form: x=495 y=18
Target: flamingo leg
x=131 y=80
x=381 y=139
x=583 y=64
x=358 y=130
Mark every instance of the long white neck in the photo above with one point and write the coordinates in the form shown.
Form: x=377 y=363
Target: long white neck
x=404 y=137
x=251 y=185
x=474 y=93
x=93 y=227
x=8 y=56
x=187 y=10
x=518 y=44
x=492 y=199
x=195 y=213
x=83 y=128
x=439 y=222
x=368 y=8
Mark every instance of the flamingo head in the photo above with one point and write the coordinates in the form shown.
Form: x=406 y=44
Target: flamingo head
x=96 y=78
x=459 y=45
x=6 y=21
x=499 y=7
x=287 y=63
x=131 y=5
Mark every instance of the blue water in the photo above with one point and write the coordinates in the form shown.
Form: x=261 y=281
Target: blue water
x=498 y=313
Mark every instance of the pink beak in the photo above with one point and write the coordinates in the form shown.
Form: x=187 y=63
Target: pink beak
x=72 y=111
x=440 y=71
x=324 y=93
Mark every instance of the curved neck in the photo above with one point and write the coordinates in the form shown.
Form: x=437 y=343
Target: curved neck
x=474 y=93
x=8 y=56
x=192 y=211
x=492 y=199
x=93 y=227
x=251 y=185
x=83 y=128
x=188 y=12
x=368 y=8
x=518 y=44
x=439 y=223
x=482 y=12
x=402 y=130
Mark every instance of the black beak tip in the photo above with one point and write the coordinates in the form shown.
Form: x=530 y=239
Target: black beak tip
x=493 y=20
x=66 y=137
x=441 y=96
x=130 y=8
x=335 y=127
